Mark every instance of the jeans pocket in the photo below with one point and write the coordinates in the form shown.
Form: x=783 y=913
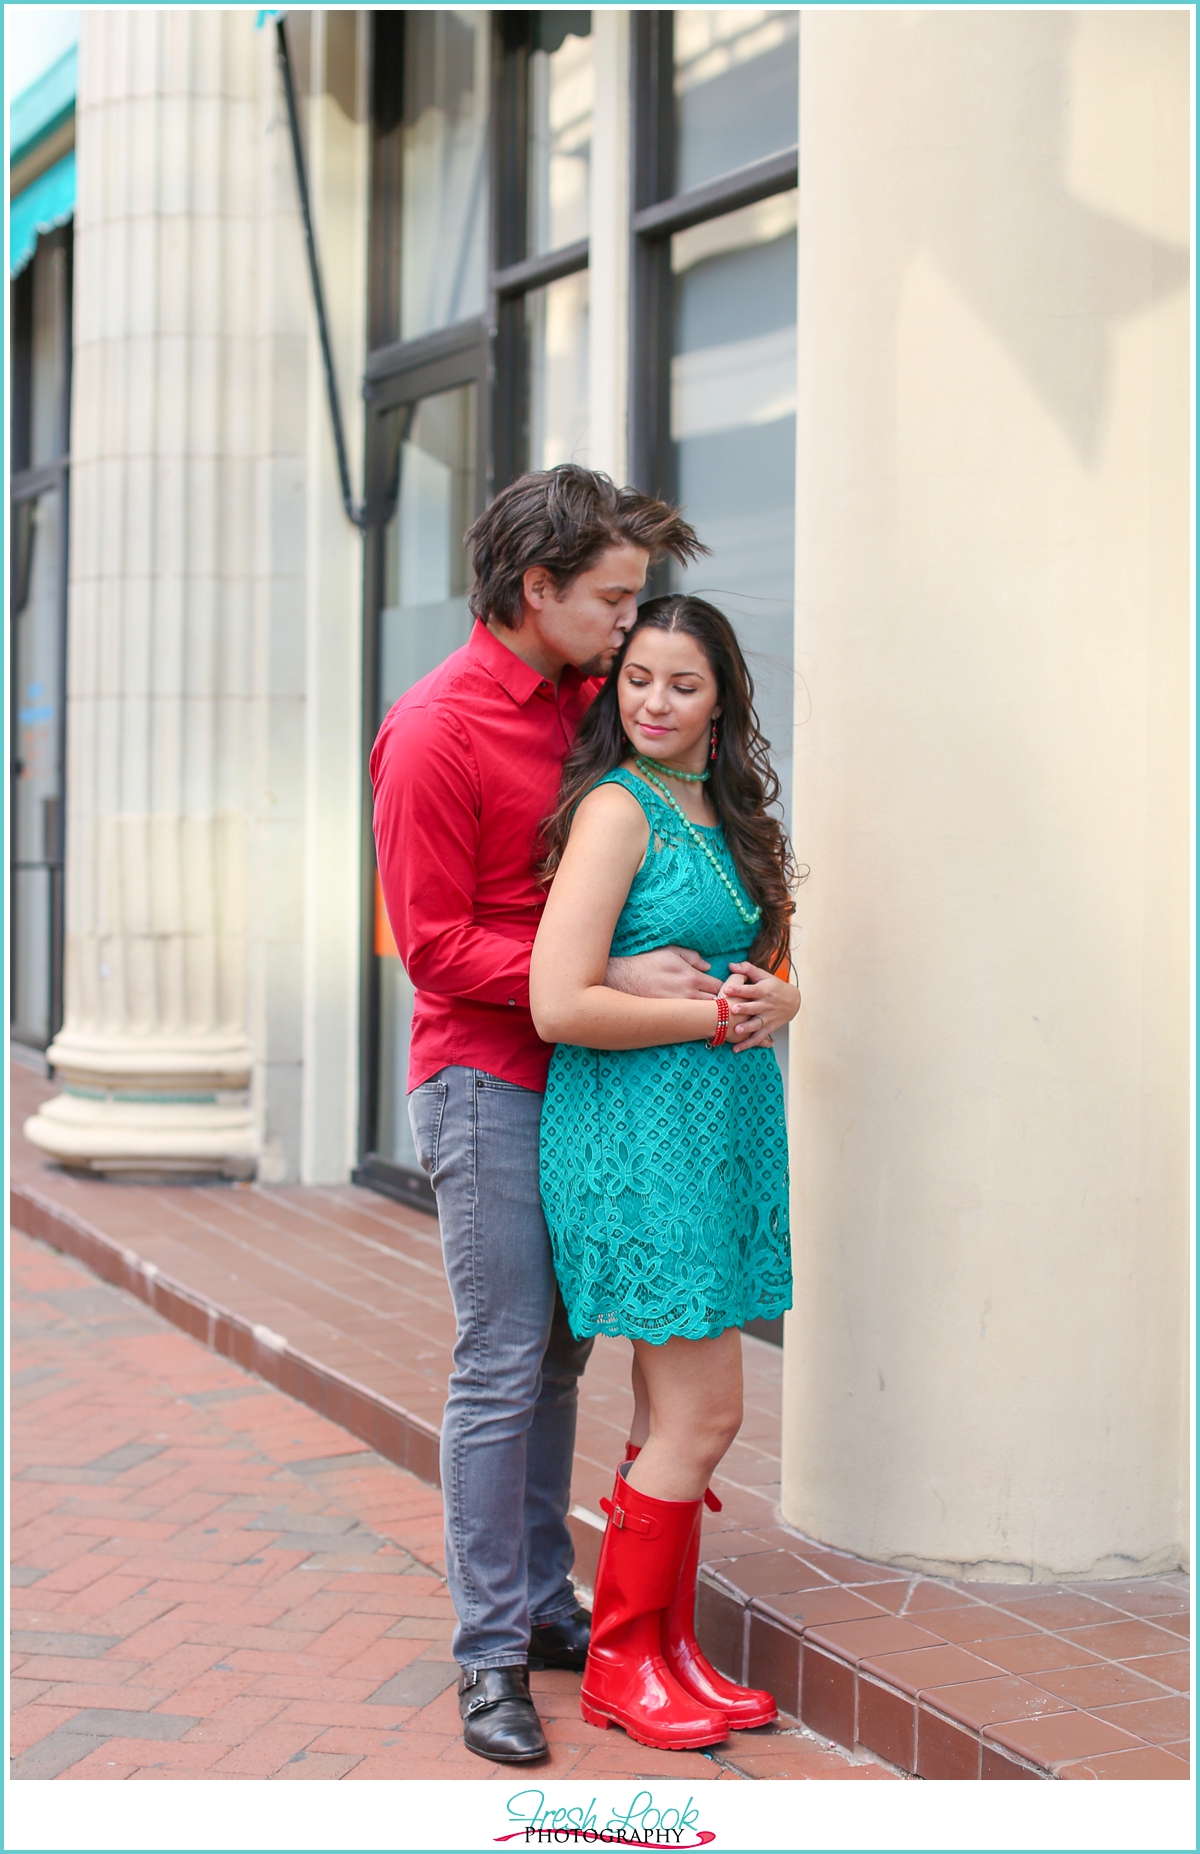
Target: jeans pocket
x=484 y=1080
x=426 y=1106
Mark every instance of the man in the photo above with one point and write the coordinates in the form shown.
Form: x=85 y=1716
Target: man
x=466 y=767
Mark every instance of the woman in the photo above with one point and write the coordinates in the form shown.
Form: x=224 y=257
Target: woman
x=664 y=1150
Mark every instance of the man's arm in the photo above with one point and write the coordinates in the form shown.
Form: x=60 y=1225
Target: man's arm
x=427 y=803
x=668 y=972
x=426 y=842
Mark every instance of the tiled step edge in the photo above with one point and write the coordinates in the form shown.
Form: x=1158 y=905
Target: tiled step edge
x=384 y=1426
x=838 y=1700
x=810 y=1683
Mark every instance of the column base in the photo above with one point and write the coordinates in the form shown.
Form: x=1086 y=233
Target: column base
x=143 y=1139
x=146 y=1110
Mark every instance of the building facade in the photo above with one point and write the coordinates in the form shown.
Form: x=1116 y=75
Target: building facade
x=896 y=304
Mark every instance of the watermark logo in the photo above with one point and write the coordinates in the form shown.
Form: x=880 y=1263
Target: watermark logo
x=641 y=1825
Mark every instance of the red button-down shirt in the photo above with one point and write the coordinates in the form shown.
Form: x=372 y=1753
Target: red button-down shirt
x=465 y=770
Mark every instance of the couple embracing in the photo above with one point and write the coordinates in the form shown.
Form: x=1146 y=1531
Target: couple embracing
x=591 y=899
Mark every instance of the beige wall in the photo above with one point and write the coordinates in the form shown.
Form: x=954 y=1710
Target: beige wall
x=990 y=1084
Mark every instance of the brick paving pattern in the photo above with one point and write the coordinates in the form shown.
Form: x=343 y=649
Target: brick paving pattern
x=212 y=1581
x=338 y=1297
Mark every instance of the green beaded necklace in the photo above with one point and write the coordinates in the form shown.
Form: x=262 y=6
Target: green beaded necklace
x=649 y=772
x=650 y=767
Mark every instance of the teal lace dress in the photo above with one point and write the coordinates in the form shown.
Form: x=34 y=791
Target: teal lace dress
x=664 y=1172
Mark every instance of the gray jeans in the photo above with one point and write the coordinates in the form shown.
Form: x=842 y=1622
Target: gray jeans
x=508 y=1433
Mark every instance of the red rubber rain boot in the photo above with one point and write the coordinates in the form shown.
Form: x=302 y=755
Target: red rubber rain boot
x=626 y=1681
x=744 y=1707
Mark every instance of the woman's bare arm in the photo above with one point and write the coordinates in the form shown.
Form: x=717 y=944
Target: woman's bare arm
x=567 y=994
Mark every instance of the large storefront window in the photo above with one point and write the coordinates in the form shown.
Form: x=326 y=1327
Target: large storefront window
x=713 y=331
x=543 y=144
x=482 y=136
x=481 y=149
x=733 y=433
x=443 y=240
x=37 y=794
x=40 y=303
x=560 y=85
x=430 y=473
x=431 y=478
x=736 y=82
x=556 y=325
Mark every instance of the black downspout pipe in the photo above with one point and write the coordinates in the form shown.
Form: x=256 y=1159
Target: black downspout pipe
x=356 y=511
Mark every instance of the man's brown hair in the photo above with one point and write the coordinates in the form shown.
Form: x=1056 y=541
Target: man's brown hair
x=564 y=519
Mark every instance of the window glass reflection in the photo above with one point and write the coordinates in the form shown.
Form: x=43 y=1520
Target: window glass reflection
x=556 y=323
x=560 y=129
x=737 y=89
x=432 y=495
x=443 y=243
x=733 y=431
x=37 y=771
x=431 y=498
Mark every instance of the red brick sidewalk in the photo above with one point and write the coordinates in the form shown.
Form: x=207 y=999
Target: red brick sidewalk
x=212 y=1581
x=337 y=1297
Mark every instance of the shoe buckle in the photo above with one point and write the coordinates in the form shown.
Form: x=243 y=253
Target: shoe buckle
x=470 y=1679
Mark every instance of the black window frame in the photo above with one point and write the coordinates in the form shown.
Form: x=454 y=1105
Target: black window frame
x=658 y=211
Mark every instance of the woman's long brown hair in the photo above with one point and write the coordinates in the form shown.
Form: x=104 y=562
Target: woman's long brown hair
x=743 y=785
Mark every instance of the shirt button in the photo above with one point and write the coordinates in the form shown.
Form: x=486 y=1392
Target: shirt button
x=512 y=1001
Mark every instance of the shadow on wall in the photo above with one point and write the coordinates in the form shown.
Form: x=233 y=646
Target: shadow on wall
x=1047 y=273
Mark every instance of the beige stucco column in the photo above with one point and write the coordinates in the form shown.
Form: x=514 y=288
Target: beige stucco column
x=986 y=1370
x=153 y=1053
x=214 y=727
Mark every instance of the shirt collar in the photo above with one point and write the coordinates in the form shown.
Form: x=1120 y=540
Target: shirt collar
x=516 y=677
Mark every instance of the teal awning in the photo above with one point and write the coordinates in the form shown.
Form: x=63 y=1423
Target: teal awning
x=45 y=203
x=48 y=101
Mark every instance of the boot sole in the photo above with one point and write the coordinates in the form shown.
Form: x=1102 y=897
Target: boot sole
x=752 y=1725
x=605 y=1719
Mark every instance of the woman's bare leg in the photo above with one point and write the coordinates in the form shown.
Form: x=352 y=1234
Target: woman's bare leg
x=694 y=1387
x=639 y=1428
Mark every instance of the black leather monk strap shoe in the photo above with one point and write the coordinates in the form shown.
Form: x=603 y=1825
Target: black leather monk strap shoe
x=561 y=1643
x=499 y=1719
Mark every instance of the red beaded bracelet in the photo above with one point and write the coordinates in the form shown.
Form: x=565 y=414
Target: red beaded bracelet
x=715 y=1042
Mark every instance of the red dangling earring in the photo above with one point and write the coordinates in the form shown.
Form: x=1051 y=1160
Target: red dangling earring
x=712 y=756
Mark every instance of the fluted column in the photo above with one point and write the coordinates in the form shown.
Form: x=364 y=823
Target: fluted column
x=153 y=1054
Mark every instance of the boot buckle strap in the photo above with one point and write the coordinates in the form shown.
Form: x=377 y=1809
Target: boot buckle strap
x=624 y=1521
x=711 y=1501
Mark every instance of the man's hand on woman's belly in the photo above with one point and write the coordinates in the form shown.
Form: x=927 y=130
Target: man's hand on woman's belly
x=667 y=972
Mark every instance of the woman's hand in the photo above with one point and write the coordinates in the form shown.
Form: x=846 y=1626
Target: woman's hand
x=759 y=1005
